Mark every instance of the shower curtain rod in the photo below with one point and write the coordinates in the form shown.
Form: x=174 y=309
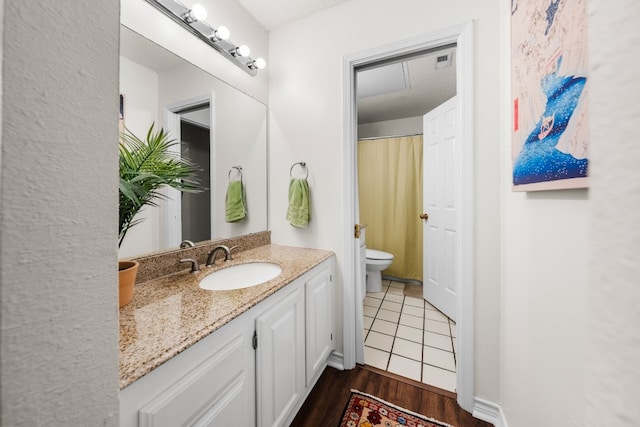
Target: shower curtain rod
x=389 y=136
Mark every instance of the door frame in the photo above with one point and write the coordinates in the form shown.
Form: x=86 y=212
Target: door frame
x=173 y=212
x=462 y=36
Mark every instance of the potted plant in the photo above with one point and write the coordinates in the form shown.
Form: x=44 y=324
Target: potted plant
x=146 y=166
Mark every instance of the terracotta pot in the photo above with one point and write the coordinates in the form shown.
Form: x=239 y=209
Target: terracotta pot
x=127 y=271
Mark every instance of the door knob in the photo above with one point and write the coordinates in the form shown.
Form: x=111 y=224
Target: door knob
x=424 y=216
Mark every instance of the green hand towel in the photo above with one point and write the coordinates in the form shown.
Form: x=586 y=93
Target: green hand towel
x=298 y=213
x=235 y=203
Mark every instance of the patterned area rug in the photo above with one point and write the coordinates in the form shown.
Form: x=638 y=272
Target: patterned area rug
x=364 y=410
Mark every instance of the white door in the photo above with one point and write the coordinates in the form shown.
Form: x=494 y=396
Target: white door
x=441 y=258
x=280 y=364
x=319 y=321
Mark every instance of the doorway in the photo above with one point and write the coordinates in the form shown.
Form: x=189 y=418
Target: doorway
x=461 y=36
x=404 y=333
x=195 y=136
x=190 y=216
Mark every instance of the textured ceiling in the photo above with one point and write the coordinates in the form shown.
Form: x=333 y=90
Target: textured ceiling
x=428 y=88
x=275 y=13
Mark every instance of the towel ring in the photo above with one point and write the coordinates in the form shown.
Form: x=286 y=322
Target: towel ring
x=238 y=168
x=303 y=165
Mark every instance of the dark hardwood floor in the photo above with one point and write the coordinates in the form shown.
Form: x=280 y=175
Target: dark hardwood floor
x=328 y=399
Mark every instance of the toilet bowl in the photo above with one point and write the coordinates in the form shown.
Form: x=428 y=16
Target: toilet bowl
x=376 y=262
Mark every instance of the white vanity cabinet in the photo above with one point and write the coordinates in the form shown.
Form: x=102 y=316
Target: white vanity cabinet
x=212 y=383
x=319 y=321
x=280 y=359
x=254 y=371
x=294 y=339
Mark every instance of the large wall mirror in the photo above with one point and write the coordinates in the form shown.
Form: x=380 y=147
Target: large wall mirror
x=217 y=126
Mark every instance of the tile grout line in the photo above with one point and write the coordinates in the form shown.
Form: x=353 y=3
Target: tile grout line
x=393 y=341
x=403 y=304
x=395 y=334
x=375 y=315
x=453 y=349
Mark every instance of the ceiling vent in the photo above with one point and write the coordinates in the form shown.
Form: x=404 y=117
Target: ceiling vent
x=443 y=61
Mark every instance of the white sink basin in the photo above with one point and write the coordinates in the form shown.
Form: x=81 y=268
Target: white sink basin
x=240 y=276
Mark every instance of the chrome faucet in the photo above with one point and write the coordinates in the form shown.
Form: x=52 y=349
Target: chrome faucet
x=211 y=259
x=186 y=244
x=194 y=264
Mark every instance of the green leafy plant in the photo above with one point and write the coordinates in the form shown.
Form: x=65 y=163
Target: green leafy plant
x=147 y=166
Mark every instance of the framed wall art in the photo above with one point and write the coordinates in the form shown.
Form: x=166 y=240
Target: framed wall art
x=550 y=126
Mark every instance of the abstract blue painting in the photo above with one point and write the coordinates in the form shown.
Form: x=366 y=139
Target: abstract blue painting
x=550 y=135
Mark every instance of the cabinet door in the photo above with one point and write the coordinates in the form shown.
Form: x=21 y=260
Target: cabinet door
x=319 y=320
x=215 y=393
x=280 y=359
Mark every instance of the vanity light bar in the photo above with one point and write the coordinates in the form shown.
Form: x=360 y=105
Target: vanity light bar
x=193 y=21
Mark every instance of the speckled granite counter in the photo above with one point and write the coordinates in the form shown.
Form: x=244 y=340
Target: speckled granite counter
x=169 y=314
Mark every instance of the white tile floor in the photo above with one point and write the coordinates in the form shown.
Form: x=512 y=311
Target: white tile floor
x=409 y=337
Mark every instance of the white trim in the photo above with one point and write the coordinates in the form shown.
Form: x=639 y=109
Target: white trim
x=172 y=211
x=462 y=35
x=465 y=308
x=489 y=412
x=336 y=361
x=349 y=323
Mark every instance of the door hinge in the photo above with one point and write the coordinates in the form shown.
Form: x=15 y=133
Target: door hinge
x=357 y=229
x=331 y=337
x=255 y=340
x=331 y=277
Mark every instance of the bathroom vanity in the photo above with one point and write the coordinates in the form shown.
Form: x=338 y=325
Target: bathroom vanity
x=245 y=357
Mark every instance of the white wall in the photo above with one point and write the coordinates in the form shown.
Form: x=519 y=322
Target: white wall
x=386 y=128
x=613 y=374
x=570 y=298
x=58 y=228
x=139 y=85
x=307 y=124
x=545 y=270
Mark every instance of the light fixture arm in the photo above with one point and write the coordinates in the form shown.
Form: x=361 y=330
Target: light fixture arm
x=176 y=11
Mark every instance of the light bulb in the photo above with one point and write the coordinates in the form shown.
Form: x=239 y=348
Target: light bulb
x=196 y=13
x=222 y=33
x=258 y=63
x=242 y=50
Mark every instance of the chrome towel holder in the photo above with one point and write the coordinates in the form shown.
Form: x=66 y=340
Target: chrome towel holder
x=238 y=168
x=303 y=165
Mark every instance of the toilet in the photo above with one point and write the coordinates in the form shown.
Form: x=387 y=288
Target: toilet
x=376 y=262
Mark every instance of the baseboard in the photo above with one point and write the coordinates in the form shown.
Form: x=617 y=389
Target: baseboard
x=400 y=279
x=489 y=412
x=336 y=360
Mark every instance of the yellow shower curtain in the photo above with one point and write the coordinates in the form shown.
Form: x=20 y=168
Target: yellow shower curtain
x=390 y=192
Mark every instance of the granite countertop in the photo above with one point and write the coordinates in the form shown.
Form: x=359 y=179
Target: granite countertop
x=169 y=314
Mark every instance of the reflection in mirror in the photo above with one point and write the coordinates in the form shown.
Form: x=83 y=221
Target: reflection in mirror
x=218 y=127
